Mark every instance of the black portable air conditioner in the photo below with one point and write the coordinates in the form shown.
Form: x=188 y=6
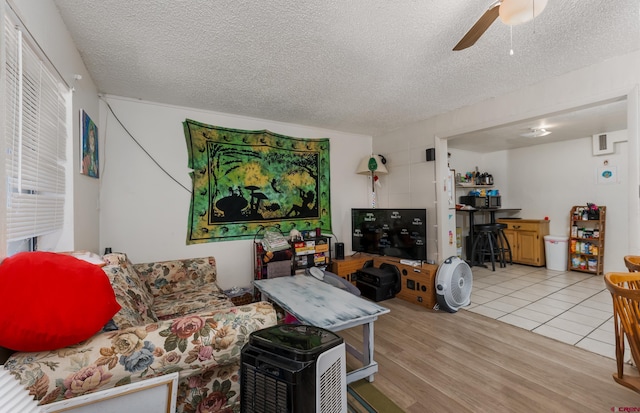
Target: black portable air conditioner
x=293 y=369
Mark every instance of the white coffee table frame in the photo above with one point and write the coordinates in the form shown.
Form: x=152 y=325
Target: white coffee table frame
x=319 y=304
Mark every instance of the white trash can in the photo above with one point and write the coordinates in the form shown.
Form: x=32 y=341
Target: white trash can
x=556 y=249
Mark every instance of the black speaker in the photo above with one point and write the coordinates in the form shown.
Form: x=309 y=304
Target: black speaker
x=431 y=154
x=340 y=250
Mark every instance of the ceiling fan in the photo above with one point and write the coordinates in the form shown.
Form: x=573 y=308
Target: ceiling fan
x=511 y=12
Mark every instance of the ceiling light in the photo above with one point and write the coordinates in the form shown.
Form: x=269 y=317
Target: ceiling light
x=536 y=133
x=514 y=12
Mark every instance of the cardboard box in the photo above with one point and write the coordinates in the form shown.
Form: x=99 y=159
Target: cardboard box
x=322 y=248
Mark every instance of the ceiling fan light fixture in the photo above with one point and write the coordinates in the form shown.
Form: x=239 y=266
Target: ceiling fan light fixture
x=513 y=12
x=536 y=133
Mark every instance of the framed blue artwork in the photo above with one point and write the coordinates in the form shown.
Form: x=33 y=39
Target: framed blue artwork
x=88 y=146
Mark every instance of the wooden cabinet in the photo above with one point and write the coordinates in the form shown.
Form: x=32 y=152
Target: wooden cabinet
x=586 y=239
x=347 y=267
x=526 y=238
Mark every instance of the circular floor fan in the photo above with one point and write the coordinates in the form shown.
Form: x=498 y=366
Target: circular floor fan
x=453 y=284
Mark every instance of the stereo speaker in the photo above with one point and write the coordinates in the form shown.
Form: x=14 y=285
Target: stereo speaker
x=431 y=154
x=418 y=282
x=340 y=250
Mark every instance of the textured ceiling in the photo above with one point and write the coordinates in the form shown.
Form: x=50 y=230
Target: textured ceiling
x=362 y=66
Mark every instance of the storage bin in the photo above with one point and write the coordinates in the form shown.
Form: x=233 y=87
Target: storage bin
x=556 y=249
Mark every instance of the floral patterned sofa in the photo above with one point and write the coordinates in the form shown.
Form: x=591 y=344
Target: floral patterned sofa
x=174 y=318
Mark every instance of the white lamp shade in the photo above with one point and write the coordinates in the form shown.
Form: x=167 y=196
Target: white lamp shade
x=514 y=12
x=363 y=166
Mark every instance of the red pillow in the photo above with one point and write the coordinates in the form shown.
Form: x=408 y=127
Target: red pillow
x=50 y=301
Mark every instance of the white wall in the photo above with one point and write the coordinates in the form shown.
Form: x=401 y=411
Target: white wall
x=145 y=214
x=410 y=183
x=568 y=177
x=573 y=182
x=600 y=82
x=495 y=163
x=43 y=21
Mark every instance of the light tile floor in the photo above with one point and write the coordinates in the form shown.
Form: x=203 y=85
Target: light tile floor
x=572 y=307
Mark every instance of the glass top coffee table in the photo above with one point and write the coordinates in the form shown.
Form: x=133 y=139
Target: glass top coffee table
x=319 y=304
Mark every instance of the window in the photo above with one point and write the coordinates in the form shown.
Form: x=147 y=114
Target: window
x=35 y=133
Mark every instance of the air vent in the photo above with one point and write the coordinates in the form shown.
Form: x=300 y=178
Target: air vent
x=264 y=394
x=331 y=382
x=603 y=143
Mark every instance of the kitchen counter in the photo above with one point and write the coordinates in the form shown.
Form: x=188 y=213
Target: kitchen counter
x=492 y=213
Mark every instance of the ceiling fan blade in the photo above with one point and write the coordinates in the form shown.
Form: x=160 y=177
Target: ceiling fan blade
x=479 y=28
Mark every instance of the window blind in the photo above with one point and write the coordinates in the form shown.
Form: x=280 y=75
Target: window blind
x=36 y=135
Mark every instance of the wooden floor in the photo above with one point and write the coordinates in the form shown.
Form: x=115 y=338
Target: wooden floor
x=464 y=362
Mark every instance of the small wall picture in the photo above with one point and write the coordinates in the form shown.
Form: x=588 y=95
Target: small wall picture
x=607 y=175
x=88 y=146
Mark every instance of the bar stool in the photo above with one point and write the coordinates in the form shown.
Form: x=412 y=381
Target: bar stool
x=503 y=244
x=485 y=245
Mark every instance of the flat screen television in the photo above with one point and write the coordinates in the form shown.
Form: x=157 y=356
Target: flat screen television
x=394 y=232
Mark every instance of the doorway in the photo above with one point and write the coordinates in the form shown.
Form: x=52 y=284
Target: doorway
x=614 y=112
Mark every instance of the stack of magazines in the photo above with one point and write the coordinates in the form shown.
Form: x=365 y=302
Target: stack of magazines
x=274 y=241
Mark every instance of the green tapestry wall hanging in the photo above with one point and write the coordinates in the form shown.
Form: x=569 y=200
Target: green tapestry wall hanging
x=245 y=181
